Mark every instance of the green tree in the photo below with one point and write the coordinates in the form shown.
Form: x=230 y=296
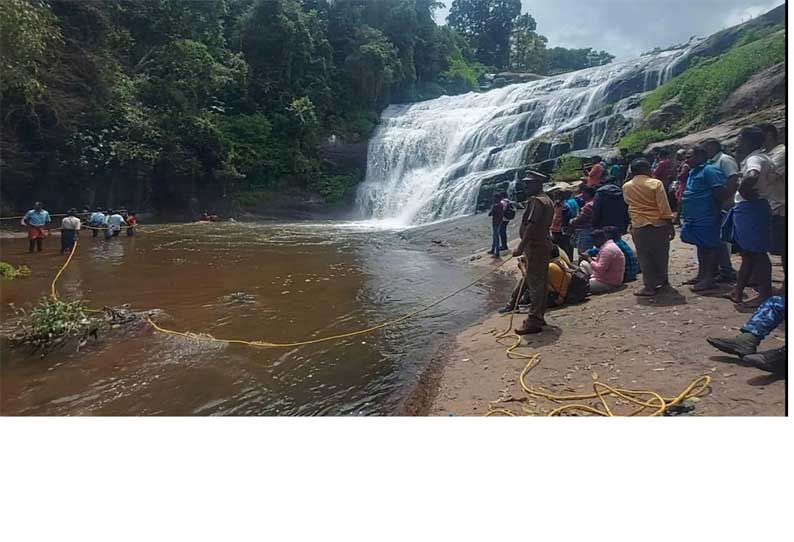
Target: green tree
x=488 y=25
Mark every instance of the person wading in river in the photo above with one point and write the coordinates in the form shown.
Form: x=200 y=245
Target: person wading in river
x=535 y=246
x=38 y=222
x=70 y=225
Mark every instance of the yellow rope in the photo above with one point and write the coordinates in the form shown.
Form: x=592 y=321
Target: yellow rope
x=697 y=388
x=53 y=290
x=388 y=323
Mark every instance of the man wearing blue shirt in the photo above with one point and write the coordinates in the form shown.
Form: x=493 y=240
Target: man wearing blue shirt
x=96 y=221
x=38 y=222
x=701 y=215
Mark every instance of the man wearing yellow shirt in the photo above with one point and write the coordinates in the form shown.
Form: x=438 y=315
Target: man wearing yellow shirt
x=651 y=226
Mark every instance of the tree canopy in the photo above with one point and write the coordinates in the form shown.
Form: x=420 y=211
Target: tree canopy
x=168 y=104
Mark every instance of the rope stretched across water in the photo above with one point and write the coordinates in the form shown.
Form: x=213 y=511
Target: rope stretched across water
x=643 y=399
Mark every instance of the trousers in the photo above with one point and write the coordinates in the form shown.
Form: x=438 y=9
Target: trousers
x=767 y=317
x=653 y=253
x=537 y=279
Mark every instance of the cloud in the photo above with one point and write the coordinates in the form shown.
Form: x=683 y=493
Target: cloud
x=627 y=28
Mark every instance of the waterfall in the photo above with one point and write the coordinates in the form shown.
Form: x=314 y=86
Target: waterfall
x=427 y=161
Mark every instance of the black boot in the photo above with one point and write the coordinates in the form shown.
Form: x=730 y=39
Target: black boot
x=744 y=344
x=771 y=361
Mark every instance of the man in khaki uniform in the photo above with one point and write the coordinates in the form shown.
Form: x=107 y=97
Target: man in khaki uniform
x=535 y=246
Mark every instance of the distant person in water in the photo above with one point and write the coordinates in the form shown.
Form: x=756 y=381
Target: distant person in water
x=96 y=221
x=114 y=222
x=37 y=221
x=497 y=215
x=70 y=226
x=132 y=223
x=535 y=246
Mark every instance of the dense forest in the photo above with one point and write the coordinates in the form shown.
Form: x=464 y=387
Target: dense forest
x=171 y=104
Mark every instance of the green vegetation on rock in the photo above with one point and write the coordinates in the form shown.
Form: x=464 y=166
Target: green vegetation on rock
x=568 y=168
x=52 y=322
x=8 y=271
x=706 y=84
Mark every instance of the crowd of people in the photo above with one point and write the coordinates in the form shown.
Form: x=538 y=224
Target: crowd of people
x=723 y=205
x=110 y=222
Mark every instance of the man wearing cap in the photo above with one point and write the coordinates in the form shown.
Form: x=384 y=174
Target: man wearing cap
x=535 y=246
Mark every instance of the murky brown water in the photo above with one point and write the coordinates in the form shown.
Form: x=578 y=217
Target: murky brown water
x=304 y=280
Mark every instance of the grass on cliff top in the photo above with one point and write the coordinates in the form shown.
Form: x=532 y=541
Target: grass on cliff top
x=703 y=87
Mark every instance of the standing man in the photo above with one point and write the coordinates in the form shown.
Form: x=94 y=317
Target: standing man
x=38 y=222
x=705 y=191
x=776 y=151
x=535 y=246
x=609 y=209
x=508 y=214
x=730 y=169
x=497 y=214
x=96 y=221
x=752 y=215
x=651 y=226
x=114 y=223
x=70 y=225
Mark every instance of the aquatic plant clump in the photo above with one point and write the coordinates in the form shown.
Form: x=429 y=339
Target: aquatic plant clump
x=8 y=271
x=52 y=322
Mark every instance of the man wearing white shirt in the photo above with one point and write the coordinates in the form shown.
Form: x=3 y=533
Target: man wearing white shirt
x=752 y=216
x=777 y=193
x=70 y=225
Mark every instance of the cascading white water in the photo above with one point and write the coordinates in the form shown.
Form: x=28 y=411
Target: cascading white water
x=426 y=161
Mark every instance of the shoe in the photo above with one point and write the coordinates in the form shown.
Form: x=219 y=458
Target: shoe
x=504 y=248
x=489 y=252
x=645 y=292
x=743 y=345
x=703 y=286
x=771 y=361
x=507 y=309
x=529 y=329
x=690 y=282
x=722 y=279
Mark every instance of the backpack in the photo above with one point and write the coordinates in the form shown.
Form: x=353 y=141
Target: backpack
x=579 y=288
x=510 y=212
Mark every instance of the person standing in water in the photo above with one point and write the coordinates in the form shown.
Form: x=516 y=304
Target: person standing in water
x=37 y=221
x=114 y=223
x=70 y=225
x=535 y=246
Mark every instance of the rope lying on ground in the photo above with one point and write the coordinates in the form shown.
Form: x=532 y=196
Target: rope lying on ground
x=643 y=399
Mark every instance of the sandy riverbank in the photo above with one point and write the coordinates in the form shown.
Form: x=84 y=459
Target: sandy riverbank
x=617 y=339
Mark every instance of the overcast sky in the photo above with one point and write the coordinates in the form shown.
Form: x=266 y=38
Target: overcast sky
x=627 y=28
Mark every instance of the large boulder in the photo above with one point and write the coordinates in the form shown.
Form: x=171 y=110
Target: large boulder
x=666 y=115
x=764 y=89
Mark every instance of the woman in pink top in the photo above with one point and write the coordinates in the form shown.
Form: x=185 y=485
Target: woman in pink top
x=606 y=269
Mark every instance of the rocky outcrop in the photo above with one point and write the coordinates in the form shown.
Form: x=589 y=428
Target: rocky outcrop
x=503 y=79
x=665 y=116
x=726 y=131
x=761 y=91
x=344 y=157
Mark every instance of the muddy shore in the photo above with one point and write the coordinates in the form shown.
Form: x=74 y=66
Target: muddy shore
x=658 y=344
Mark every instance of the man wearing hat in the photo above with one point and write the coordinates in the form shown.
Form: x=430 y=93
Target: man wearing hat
x=535 y=246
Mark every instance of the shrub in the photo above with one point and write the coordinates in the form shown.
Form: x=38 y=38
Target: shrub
x=568 y=168
x=52 y=322
x=335 y=188
x=638 y=140
x=8 y=271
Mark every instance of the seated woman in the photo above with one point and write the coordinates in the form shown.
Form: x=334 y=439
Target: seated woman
x=607 y=268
